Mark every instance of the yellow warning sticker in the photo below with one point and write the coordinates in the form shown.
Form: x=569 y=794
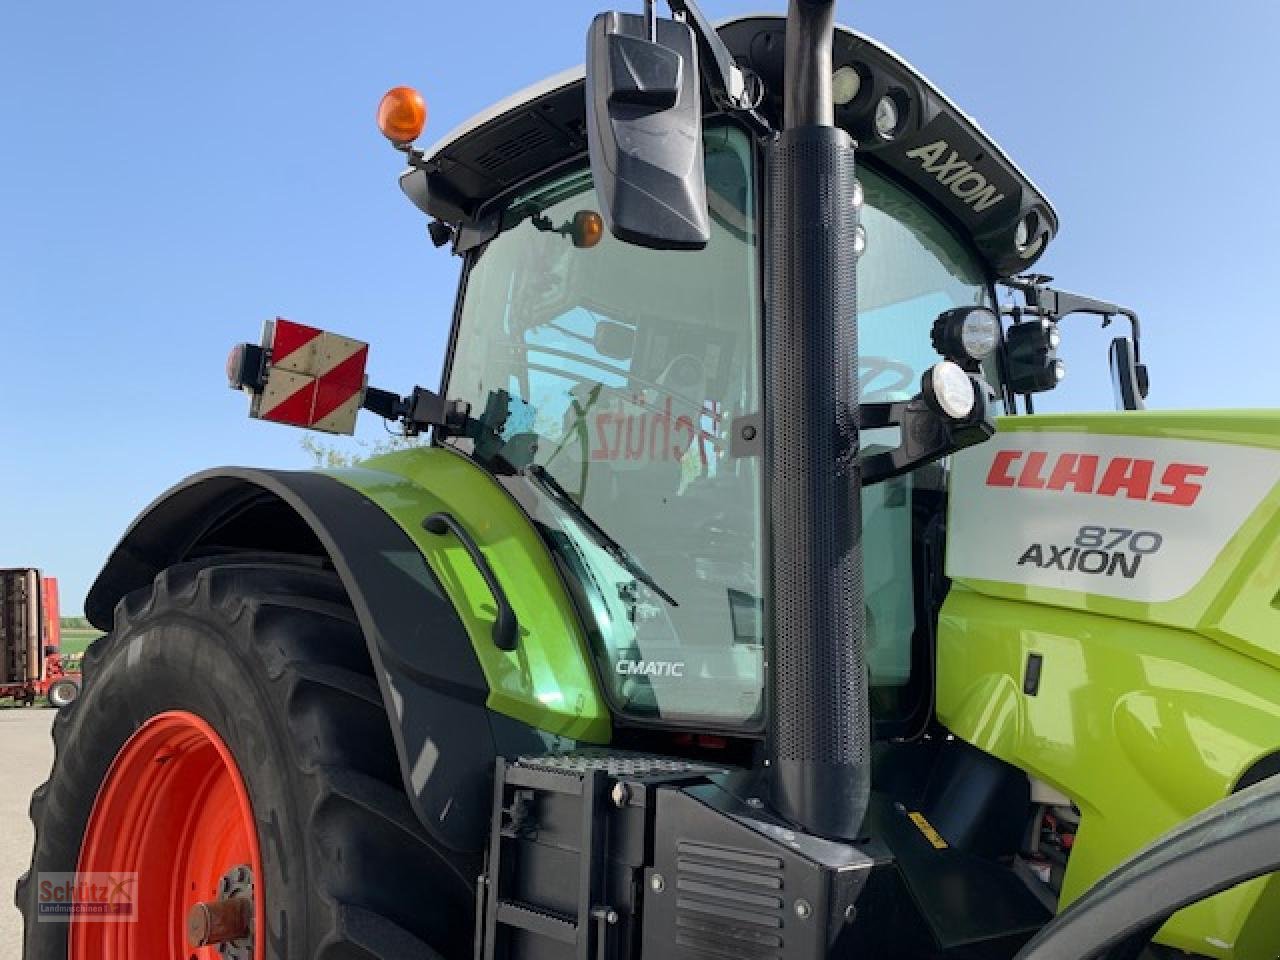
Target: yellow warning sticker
x=930 y=834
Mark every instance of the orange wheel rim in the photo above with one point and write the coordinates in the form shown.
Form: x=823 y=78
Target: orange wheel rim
x=173 y=810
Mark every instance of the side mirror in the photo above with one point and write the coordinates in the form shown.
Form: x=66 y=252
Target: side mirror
x=1128 y=376
x=644 y=131
x=1031 y=356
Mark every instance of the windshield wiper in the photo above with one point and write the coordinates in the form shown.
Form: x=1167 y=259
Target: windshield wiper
x=551 y=487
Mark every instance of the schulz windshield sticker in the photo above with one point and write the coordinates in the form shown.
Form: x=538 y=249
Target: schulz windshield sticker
x=1135 y=518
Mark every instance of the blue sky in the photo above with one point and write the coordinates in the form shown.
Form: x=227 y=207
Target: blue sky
x=172 y=174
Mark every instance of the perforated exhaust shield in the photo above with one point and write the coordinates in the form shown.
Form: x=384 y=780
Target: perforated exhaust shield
x=820 y=724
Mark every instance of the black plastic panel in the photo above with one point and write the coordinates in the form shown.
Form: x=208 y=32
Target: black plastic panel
x=963 y=899
x=727 y=880
x=483 y=164
x=970 y=180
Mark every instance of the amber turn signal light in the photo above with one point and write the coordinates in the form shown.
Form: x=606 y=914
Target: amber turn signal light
x=588 y=228
x=402 y=115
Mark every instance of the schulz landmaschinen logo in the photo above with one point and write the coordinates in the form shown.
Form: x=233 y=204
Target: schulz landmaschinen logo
x=87 y=896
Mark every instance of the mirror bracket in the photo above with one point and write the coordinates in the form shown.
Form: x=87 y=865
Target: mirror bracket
x=1129 y=373
x=732 y=87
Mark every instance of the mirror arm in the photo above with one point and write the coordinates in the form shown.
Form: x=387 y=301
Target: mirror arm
x=727 y=81
x=1064 y=304
x=1056 y=304
x=732 y=86
x=1136 y=332
x=1045 y=301
x=1060 y=303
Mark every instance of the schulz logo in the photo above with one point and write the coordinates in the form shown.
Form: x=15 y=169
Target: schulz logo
x=957 y=175
x=650 y=668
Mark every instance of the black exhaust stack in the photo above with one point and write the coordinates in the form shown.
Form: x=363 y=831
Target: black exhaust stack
x=820 y=739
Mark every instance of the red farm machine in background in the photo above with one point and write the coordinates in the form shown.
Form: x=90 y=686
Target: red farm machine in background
x=30 y=640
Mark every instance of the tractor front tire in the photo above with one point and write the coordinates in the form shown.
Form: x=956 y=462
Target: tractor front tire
x=231 y=727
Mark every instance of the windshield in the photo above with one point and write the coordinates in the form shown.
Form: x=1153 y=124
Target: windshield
x=913 y=269
x=629 y=367
x=624 y=372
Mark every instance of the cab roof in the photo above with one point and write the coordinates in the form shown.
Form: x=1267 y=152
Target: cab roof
x=937 y=151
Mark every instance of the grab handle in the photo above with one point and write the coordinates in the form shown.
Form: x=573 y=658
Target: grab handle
x=506 y=629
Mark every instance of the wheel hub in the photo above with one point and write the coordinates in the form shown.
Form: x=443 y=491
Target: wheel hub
x=226 y=922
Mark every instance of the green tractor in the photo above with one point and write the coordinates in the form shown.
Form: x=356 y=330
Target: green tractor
x=736 y=604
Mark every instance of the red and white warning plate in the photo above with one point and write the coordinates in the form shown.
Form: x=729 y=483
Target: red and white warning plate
x=313 y=379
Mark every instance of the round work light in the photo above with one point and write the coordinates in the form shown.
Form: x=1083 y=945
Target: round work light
x=966 y=335
x=949 y=390
x=845 y=84
x=888 y=117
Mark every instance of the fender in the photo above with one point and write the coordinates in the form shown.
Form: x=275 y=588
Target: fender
x=427 y=667
x=1233 y=841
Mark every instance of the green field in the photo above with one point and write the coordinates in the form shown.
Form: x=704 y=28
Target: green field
x=75 y=640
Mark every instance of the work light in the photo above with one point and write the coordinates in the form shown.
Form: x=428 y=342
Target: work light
x=888 y=117
x=949 y=390
x=1031 y=359
x=845 y=84
x=1028 y=237
x=966 y=335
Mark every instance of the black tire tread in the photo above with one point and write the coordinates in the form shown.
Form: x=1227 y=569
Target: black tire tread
x=361 y=834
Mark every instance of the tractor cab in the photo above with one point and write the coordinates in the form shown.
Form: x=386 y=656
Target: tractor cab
x=632 y=379
x=633 y=383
